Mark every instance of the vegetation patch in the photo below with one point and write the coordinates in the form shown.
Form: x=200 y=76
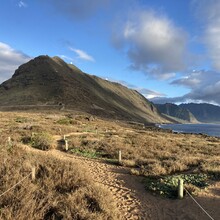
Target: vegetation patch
x=87 y=153
x=168 y=185
x=65 y=121
x=42 y=140
x=21 y=120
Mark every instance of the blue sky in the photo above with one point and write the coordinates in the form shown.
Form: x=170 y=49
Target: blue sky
x=168 y=50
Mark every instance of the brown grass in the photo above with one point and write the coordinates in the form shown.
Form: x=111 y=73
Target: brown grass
x=61 y=190
x=154 y=151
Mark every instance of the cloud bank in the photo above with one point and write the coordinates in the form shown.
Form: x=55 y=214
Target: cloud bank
x=208 y=13
x=10 y=59
x=154 y=45
x=204 y=85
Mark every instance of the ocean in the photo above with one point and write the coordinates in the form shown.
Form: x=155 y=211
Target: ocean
x=209 y=129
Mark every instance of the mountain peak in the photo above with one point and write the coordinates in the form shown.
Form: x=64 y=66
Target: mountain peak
x=50 y=81
x=58 y=60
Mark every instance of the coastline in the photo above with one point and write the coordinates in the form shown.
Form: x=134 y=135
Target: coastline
x=208 y=129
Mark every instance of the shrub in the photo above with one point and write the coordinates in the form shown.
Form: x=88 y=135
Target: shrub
x=167 y=186
x=21 y=120
x=42 y=141
x=65 y=121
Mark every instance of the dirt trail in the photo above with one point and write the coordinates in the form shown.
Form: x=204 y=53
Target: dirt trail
x=131 y=198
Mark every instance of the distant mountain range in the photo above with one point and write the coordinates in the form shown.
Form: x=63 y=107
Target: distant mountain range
x=50 y=81
x=176 y=111
x=193 y=113
x=204 y=112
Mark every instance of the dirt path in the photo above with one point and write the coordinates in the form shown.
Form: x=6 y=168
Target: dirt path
x=131 y=198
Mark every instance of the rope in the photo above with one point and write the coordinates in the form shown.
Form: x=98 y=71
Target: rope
x=199 y=204
x=15 y=185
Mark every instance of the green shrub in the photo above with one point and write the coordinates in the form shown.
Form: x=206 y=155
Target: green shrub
x=86 y=153
x=65 y=121
x=168 y=185
x=42 y=141
x=21 y=119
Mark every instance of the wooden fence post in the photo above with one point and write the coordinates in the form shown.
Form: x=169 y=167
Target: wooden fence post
x=33 y=173
x=64 y=137
x=66 y=145
x=180 y=188
x=9 y=142
x=119 y=156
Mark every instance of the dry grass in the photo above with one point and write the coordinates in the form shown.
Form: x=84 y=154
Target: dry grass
x=60 y=191
x=153 y=151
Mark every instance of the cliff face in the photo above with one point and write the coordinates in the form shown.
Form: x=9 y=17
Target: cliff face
x=204 y=112
x=50 y=81
x=177 y=112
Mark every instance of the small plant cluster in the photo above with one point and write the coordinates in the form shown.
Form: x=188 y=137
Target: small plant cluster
x=65 y=121
x=168 y=185
x=41 y=140
x=85 y=153
x=21 y=120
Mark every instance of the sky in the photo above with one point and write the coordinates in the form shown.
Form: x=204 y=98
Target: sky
x=168 y=50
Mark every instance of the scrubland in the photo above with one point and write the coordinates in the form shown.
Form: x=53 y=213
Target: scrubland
x=61 y=190
x=64 y=190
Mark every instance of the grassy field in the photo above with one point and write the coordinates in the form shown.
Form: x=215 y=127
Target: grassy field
x=154 y=151
x=61 y=190
x=65 y=190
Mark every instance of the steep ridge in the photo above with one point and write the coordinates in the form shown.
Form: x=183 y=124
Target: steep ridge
x=204 y=112
x=177 y=112
x=51 y=81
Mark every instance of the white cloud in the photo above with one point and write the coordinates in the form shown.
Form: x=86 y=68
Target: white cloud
x=153 y=44
x=208 y=12
x=82 y=54
x=204 y=86
x=10 y=59
x=149 y=94
x=68 y=59
x=22 y=4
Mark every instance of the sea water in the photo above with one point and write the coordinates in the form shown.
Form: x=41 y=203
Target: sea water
x=209 y=129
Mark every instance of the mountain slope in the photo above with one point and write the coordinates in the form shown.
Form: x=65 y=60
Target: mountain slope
x=204 y=112
x=176 y=112
x=50 y=81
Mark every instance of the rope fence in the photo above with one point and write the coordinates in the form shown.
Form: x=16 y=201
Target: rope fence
x=32 y=174
x=198 y=204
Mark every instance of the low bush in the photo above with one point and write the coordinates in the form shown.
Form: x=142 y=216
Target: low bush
x=65 y=121
x=168 y=185
x=21 y=119
x=42 y=141
x=86 y=153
